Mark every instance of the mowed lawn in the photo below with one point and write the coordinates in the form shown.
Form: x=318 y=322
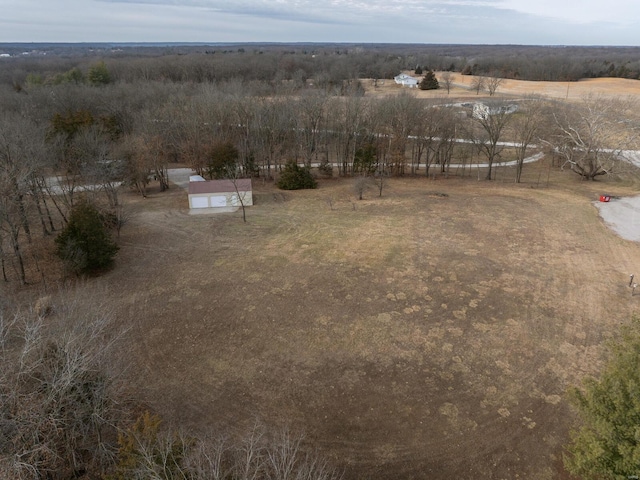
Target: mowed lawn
x=429 y=333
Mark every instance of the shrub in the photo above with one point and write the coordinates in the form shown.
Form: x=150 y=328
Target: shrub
x=326 y=168
x=295 y=177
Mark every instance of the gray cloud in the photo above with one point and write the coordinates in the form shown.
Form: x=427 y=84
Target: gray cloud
x=406 y=21
x=334 y=11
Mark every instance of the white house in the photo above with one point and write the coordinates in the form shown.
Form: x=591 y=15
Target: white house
x=406 y=80
x=220 y=194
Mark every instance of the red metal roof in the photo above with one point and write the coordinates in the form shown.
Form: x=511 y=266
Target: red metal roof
x=219 y=186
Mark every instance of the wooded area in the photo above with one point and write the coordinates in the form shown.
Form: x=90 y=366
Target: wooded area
x=323 y=62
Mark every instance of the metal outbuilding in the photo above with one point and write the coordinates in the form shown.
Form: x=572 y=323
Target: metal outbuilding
x=220 y=194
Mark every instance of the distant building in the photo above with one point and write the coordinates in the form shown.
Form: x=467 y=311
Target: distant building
x=4 y=55
x=220 y=194
x=406 y=80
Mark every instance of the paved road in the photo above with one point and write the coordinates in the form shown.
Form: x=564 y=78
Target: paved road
x=180 y=176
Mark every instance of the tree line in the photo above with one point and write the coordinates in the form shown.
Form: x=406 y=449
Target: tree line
x=328 y=64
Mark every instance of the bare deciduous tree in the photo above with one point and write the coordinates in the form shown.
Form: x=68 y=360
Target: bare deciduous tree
x=526 y=125
x=209 y=458
x=274 y=129
x=250 y=453
x=150 y=452
x=100 y=169
x=447 y=132
x=478 y=83
x=233 y=172
x=427 y=134
x=18 y=162
x=360 y=185
x=492 y=121
x=492 y=83
x=590 y=135
x=312 y=121
x=349 y=121
x=58 y=406
x=446 y=79
x=398 y=117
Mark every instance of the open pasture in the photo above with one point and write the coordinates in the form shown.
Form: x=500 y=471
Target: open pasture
x=462 y=89
x=430 y=333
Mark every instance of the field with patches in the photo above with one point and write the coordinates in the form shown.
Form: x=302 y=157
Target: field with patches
x=428 y=333
x=461 y=88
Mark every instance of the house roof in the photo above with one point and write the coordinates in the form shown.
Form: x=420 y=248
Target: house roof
x=403 y=77
x=219 y=186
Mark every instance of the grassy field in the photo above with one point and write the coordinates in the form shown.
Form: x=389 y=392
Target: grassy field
x=461 y=88
x=429 y=333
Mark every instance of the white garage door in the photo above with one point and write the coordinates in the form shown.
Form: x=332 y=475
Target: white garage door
x=218 y=201
x=199 y=202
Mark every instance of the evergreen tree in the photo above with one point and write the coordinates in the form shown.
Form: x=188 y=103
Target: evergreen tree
x=99 y=74
x=74 y=76
x=222 y=159
x=429 y=81
x=365 y=160
x=85 y=244
x=607 y=446
x=295 y=177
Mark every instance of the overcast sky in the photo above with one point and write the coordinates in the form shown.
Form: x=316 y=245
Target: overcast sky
x=538 y=22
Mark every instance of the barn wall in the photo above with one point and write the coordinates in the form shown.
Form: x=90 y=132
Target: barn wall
x=219 y=200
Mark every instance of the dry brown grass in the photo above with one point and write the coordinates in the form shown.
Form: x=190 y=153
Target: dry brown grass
x=608 y=87
x=413 y=336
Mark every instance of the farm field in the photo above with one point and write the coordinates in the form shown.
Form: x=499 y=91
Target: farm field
x=429 y=333
x=461 y=88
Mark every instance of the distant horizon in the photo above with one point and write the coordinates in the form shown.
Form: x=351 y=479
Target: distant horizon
x=253 y=42
x=460 y=22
